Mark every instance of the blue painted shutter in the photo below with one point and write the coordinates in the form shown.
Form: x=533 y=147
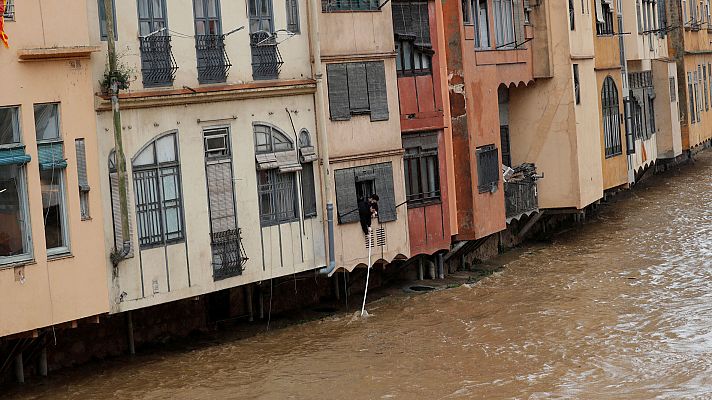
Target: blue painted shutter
x=346 y=202
x=338 y=92
x=377 y=91
x=385 y=192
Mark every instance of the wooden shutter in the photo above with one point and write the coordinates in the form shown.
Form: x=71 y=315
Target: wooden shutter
x=401 y=17
x=421 y=23
x=377 y=91
x=116 y=214
x=385 y=192
x=662 y=18
x=518 y=11
x=346 y=203
x=81 y=165
x=220 y=196
x=308 y=191
x=338 y=92
x=358 y=90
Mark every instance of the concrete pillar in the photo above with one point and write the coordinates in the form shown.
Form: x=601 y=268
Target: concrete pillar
x=262 y=304
x=441 y=265
x=43 y=361
x=432 y=273
x=420 y=268
x=250 y=309
x=130 y=332
x=19 y=369
x=337 y=292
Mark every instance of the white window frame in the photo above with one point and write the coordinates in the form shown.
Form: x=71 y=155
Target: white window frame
x=66 y=248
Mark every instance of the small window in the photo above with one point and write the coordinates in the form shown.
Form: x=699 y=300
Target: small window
x=467 y=12
x=102 y=20
x=611 y=118
x=9 y=12
x=349 y=5
x=422 y=175
x=504 y=23
x=293 y=16
x=84 y=188
x=604 y=18
x=270 y=140
x=488 y=170
x=482 y=35
x=360 y=182
x=577 y=84
x=308 y=190
x=691 y=95
x=277 y=197
x=673 y=90
x=411 y=27
x=572 y=16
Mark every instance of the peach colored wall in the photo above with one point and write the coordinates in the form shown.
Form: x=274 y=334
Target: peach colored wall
x=73 y=286
x=669 y=140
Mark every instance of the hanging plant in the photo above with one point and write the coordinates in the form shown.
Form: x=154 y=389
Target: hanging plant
x=122 y=76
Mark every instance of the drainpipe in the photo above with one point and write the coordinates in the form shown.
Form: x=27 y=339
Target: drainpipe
x=118 y=254
x=316 y=70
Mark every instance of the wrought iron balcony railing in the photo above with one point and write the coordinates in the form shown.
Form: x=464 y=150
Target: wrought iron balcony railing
x=213 y=62
x=266 y=59
x=158 y=66
x=229 y=255
x=520 y=191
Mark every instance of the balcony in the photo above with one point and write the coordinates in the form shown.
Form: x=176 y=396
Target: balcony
x=213 y=62
x=520 y=191
x=158 y=66
x=229 y=256
x=266 y=59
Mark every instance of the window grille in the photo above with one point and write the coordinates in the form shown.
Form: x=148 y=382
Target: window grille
x=604 y=18
x=277 y=197
x=266 y=58
x=157 y=189
x=422 y=175
x=213 y=62
x=349 y=5
x=611 y=118
x=158 y=66
x=488 y=170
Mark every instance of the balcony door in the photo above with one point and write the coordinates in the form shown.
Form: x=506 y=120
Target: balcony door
x=213 y=63
x=157 y=64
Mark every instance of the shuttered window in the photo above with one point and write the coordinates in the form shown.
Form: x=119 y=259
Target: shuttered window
x=308 y=191
x=422 y=173
x=411 y=26
x=488 y=170
x=9 y=11
x=119 y=238
x=102 y=20
x=611 y=118
x=293 y=16
x=363 y=181
x=357 y=88
x=80 y=148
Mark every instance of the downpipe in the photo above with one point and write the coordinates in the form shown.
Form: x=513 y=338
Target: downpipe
x=330 y=228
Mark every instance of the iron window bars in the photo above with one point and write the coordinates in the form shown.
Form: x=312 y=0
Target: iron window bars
x=266 y=59
x=9 y=13
x=349 y=5
x=158 y=66
x=422 y=176
x=488 y=171
x=611 y=118
x=213 y=62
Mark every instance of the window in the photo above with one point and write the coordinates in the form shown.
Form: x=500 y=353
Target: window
x=411 y=27
x=639 y=16
x=157 y=64
x=9 y=12
x=80 y=147
x=50 y=153
x=213 y=62
x=157 y=189
x=685 y=20
x=698 y=101
x=277 y=197
x=266 y=58
x=691 y=95
x=349 y=5
x=270 y=140
x=673 y=90
x=307 y=157
x=357 y=89
x=488 y=170
x=467 y=12
x=572 y=16
x=704 y=80
x=102 y=20
x=611 y=118
x=651 y=116
x=293 y=16
x=225 y=241
x=503 y=23
x=422 y=174
x=15 y=236
x=482 y=35
x=577 y=84
x=360 y=182
x=604 y=18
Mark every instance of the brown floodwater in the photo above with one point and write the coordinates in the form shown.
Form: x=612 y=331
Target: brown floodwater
x=619 y=308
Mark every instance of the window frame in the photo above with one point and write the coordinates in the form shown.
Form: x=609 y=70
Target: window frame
x=272 y=189
x=293 y=15
x=421 y=157
x=160 y=170
x=577 y=84
x=487 y=180
x=504 y=29
x=610 y=112
x=66 y=247
x=607 y=27
x=478 y=12
x=9 y=14
x=103 y=35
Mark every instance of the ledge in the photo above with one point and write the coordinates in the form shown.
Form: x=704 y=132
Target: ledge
x=358 y=57
x=56 y=53
x=208 y=94
x=367 y=156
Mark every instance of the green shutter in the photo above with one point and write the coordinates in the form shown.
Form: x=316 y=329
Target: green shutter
x=346 y=202
x=51 y=156
x=384 y=190
x=377 y=92
x=338 y=92
x=308 y=191
x=358 y=89
x=14 y=156
x=518 y=11
x=80 y=147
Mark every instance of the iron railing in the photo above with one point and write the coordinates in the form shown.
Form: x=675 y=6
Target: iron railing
x=520 y=198
x=349 y=5
x=229 y=255
x=213 y=62
x=266 y=58
x=158 y=66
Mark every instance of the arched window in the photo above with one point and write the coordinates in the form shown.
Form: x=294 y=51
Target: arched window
x=157 y=189
x=611 y=118
x=269 y=139
x=304 y=138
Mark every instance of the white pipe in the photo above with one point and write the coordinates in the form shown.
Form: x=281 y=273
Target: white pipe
x=368 y=270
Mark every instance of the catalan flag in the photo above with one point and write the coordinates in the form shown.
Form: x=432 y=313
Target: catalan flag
x=3 y=36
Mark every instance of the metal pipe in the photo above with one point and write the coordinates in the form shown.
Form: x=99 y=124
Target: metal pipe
x=441 y=266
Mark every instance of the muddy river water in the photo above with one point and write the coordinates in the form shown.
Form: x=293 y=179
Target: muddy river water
x=619 y=308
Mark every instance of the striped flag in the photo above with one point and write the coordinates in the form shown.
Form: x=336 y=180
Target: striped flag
x=3 y=36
